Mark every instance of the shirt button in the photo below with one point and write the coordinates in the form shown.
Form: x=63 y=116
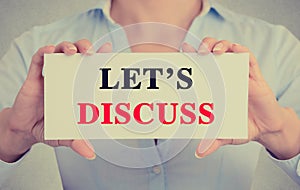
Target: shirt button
x=156 y=169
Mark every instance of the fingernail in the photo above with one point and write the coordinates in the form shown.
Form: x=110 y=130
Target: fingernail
x=89 y=145
x=72 y=48
x=203 y=49
x=51 y=46
x=50 y=49
x=109 y=44
x=92 y=158
x=185 y=47
x=90 y=51
x=197 y=156
x=218 y=47
x=105 y=48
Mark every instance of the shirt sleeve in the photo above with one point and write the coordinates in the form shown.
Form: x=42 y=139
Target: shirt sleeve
x=287 y=55
x=13 y=71
x=7 y=169
x=291 y=166
x=14 y=66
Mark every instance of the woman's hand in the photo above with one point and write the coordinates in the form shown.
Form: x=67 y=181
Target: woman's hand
x=22 y=125
x=275 y=127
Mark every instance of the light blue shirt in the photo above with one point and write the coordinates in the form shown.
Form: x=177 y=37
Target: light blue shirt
x=231 y=167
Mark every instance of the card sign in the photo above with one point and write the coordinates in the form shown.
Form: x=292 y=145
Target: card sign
x=146 y=96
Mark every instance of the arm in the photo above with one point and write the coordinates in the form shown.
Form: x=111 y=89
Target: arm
x=272 y=123
x=22 y=124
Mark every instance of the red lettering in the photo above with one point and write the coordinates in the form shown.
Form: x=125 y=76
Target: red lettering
x=187 y=113
x=162 y=113
x=83 y=110
x=106 y=111
x=207 y=113
x=137 y=113
x=122 y=113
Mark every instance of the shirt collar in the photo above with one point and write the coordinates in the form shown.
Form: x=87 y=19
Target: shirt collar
x=218 y=9
x=208 y=6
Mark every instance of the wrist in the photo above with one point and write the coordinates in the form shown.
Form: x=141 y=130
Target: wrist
x=13 y=143
x=284 y=143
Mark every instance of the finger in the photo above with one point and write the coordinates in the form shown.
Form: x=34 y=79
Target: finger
x=254 y=71
x=202 y=152
x=37 y=62
x=81 y=147
x=105 y=48
x=84 y=46
x=188 y=48
x=207 y=45
x=66 y=47
x=221 y=47
x=237 y=48
x=84 y=149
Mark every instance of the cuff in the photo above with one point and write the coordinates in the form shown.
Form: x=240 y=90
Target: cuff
x=290 y=166
x=6 y=169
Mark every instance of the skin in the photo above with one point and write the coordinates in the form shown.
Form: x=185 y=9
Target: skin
x=18 y=135
x=273 y=126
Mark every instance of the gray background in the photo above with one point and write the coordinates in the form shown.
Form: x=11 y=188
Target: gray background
x=18 y=16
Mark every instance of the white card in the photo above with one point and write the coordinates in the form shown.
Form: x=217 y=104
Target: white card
x=146 y=96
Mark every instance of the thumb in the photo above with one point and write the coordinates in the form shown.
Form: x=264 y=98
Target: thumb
x=37 y=62
x=254 y=71
x=208 y=146
x=83 y=148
